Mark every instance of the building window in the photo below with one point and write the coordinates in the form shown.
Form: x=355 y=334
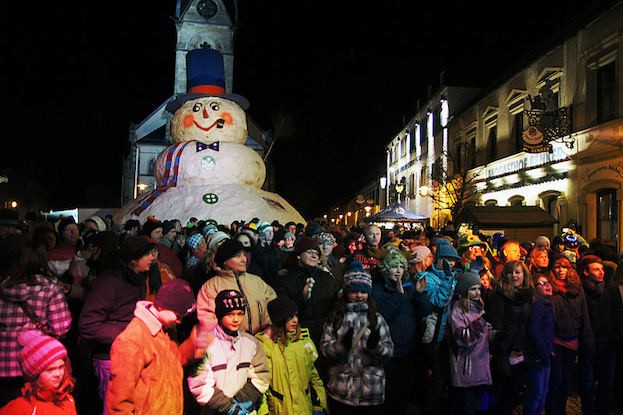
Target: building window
x=516 y=200
x=424 y=135
x=457 y=156
x=607 y=215
x=471 y=157
x=606 y=93
x=412 y=138
x=492 y=144
x=403 y=147
x=436 y=120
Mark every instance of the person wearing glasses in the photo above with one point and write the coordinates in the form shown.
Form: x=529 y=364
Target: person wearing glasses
x=539 y=346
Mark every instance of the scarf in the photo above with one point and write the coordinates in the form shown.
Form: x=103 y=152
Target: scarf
x=597 y=287
x=559 y=285
x=32 y=392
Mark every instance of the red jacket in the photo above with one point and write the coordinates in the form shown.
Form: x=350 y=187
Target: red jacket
x=21 y=406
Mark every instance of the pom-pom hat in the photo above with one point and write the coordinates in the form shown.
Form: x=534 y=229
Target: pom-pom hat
x=227 y=301
x=38 y=352
x=205 y=77
x=280 y=309
x=357 y=279
x=177 y=296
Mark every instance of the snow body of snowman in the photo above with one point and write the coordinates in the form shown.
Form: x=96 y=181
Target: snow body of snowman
x=208 y=172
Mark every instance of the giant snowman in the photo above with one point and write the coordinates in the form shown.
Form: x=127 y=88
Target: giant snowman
x=208 y=172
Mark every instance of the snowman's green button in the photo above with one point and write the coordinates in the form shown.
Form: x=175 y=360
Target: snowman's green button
x=210 y=198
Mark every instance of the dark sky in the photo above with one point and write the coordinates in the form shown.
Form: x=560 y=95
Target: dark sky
x=75 y=77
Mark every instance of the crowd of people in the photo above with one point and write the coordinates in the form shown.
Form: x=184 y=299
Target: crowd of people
x=258 y=317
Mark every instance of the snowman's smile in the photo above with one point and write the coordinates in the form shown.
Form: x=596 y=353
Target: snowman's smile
x=218 y=124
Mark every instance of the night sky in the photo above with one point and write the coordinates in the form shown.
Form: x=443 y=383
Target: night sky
x=75 y=78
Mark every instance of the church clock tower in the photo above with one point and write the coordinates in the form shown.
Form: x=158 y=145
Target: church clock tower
x=199 y=23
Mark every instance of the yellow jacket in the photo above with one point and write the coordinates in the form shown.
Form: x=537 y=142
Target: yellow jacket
x=293 y=375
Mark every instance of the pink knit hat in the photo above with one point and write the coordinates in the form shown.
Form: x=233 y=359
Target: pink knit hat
x=38 y=352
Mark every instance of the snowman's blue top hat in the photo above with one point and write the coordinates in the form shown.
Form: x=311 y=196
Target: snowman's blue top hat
x=205 y=77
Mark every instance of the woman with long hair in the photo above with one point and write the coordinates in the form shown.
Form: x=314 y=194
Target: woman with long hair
x=508 y=310
x=572 y=331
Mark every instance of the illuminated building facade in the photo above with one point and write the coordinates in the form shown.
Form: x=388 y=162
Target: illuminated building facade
x=579 y=177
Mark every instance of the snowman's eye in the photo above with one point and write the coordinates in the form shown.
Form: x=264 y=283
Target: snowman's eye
x=215 y=107
x=197 y=107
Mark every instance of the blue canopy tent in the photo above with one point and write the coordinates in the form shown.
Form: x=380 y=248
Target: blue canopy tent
x=396 y=213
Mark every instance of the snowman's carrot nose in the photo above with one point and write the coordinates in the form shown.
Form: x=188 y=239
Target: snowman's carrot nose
x=205 y=113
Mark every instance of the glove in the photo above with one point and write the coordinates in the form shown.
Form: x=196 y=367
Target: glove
x=240 y=408
x=446 y=268
x=373 y=339
x=347 y=340
x=477 y=265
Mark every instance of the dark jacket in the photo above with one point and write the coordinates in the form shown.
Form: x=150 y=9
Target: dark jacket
x=313 y=311
x=571 y=319
x=509 y=315
x=600 y=303
x=109 y=307
x=540 y=332
x=402 y=312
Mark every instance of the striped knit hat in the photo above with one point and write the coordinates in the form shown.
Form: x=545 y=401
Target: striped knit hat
x=38 y=352
x=357 y=279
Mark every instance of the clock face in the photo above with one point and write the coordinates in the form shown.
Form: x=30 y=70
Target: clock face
x=207 y=8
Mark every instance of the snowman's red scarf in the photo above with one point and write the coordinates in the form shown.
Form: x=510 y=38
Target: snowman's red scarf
x=172 y=166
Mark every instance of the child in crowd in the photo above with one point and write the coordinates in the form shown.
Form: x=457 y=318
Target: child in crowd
x=49 y=383
x=470 y=371
x=146 y=374
x=295 y=386
x=233 y=375
x=357 y=340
